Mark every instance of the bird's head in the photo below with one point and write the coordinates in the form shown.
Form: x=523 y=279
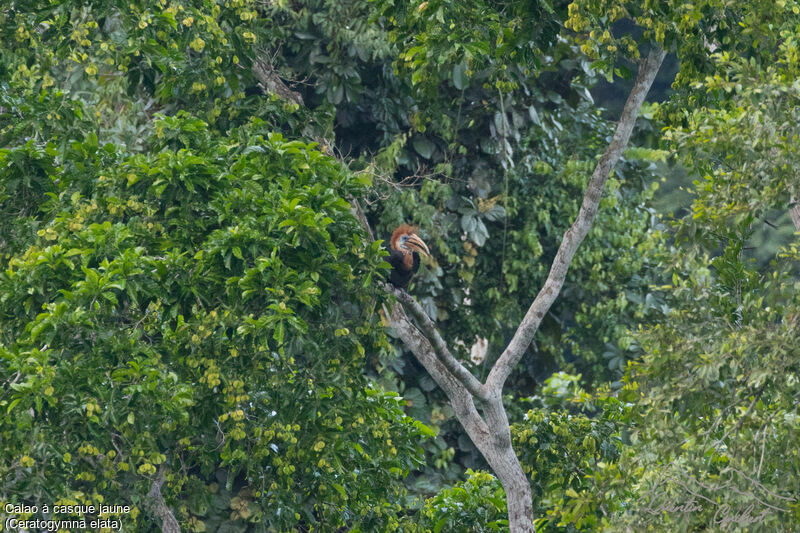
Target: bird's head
x=405 y=239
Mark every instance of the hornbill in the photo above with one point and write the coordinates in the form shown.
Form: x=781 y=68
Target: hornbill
x=403 y=256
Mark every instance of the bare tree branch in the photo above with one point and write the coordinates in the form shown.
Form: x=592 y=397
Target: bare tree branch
x=491 y=435
x=580 y=228
x=794 y=212
x=359 y=213
x=158 y=506
x=438 y=344
x=460 y=399
x=269 y=79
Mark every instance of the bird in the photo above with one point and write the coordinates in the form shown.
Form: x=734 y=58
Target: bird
x=405 y=247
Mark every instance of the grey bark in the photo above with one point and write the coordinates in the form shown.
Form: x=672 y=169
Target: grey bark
x=794 y=212
x=269 y=80
x=158 y=506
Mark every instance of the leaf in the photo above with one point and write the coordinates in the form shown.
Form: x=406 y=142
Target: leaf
x=534 y=116
x=340 y=490
x=465 y=443
x=646 y=154
x=12 y=405
x=425 y=430
x=460 y=79
x=423 y=147
x=337 y=94
x=468 y=223
x=253 y=148
x=501 y=123
x=480 y=234
x=363 y=179
x=497 y=212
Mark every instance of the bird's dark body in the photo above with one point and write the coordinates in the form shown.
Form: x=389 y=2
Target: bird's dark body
x=402 y=274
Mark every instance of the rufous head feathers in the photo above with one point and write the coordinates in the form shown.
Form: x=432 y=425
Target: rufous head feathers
x=405 y=239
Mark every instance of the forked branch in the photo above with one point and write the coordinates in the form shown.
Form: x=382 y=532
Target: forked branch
x=438 y=344
x=648 y=67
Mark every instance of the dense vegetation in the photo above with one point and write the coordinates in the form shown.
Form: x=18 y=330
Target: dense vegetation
x=192 y=316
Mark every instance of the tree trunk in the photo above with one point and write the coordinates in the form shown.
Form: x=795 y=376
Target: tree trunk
x=508 y=470
x=158 y=507
x=518 y=491
x=794 y=213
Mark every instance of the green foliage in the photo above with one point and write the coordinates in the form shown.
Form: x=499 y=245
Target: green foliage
x=178 y=54
x=545 y=191
x=500 y=137
x=477 y=505
x=571 y=445
x=460 y=44
x=717 y=383
x=185 y=292
x=194 y=288
x=744 y=152
x=197 y=311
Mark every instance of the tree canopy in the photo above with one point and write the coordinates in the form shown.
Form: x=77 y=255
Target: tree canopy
x=194 y=201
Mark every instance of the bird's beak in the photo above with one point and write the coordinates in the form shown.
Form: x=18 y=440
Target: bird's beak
x=415 y=243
